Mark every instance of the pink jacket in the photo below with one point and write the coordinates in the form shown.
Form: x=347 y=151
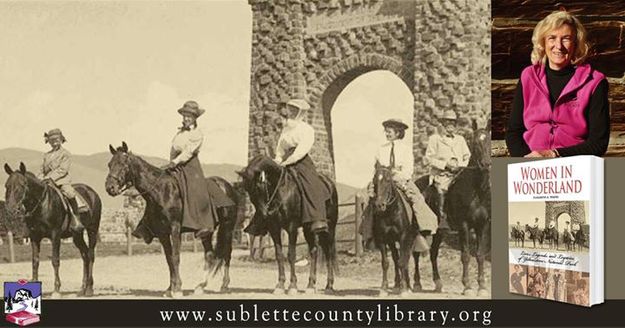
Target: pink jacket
x=565 y=125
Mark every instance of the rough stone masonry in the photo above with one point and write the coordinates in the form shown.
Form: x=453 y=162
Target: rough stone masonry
x=314 y=49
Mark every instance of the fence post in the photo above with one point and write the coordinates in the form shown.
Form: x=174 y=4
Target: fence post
x=11 y=246
x=129 y=241
x=358 y=215
x=194 y=244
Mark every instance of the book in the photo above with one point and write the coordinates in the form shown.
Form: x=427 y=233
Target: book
x=555 y=217
x=22 y=318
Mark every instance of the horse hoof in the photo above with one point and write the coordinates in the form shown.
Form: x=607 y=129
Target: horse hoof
x=176 y=295
x=310 y=291
x=198 y=291
x=383 y=293
x=224 y=290
x=438 y=286
x=470 y=292
x=278 y=291
x=417 y=289
x=483 y=292
x=55 y=295
x=292 y=291
x=167 y=293
x=329 y=291
x=86 y=293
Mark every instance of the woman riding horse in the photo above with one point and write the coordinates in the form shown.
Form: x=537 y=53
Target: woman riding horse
x=201 y=197
x=397 y=155
x=55 y=168
x=295 y=142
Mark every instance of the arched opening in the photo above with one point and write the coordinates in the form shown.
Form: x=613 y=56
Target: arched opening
x=561 y=221
x=356 y=113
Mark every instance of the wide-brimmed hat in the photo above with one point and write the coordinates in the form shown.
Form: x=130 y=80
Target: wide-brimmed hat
x=395 y=123
x=54 y=133
x=191 y=108
x=300 y=104
x=449 y=115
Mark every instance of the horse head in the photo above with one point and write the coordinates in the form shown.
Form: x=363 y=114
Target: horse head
x=480 y=146
x=384 y=187
x=17 y=189
x=119 y=170
x=258 y=179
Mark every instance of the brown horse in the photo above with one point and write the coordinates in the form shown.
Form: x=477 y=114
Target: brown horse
x=467 y=206
x=391 y=225
x=45 y=214
x=277 y=199
x=164 y=214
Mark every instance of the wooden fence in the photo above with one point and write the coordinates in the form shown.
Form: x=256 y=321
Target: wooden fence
x=187 y=238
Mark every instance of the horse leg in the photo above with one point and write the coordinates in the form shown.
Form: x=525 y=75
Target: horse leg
x=209 y=262
x=384 y=286
x=483 y=233
x=397 y=266
x=329 y=248
x=93 y=239
x=36 y=248
x=79 y=242
x=437 y=239
x=167 y=249
x=175 y=236
x=56 y=263
x=314 y=257
x=465 y=236
x=404 y=258
x=277 y=244
x=416 y=287
x=292 y=257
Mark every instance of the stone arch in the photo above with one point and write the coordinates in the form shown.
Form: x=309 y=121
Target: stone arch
x=574 y=209
x=325 y=92
x=309 y=49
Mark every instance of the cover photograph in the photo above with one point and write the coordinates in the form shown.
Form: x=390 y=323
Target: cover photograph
x=555 y=219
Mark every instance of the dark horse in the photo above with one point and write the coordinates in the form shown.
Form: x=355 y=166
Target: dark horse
x=391 y=224
x=536 y=234
x=467 y=206
x=580 y=240
x=519 y=236
x=163 y=214
x=277 y=199
x=552 y=237
x=46 y=217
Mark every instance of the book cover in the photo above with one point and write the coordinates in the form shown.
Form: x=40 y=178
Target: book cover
x=22 y=318
x=555 y=217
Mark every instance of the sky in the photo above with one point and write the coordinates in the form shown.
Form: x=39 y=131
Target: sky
x=110 y=71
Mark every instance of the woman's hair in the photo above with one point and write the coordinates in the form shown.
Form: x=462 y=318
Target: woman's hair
x=401 y=133
x=553 y=21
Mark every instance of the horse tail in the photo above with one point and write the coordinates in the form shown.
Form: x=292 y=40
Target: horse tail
x=228 y=219
x=329 y=238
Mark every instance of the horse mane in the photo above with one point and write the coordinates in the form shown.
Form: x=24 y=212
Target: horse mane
x=260 y=163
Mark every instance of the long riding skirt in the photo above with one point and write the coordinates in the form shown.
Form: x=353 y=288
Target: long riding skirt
x=200 y=200
x=314 y=191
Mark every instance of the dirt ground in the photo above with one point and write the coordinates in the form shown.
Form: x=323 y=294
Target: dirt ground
x=146 y=276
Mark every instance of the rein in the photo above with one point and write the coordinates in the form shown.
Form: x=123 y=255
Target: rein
x=129 y=184
x=43 y=195
x=275 y=192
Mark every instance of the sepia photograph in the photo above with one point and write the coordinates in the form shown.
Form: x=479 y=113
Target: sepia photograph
x=246 y=149
x=549 y=225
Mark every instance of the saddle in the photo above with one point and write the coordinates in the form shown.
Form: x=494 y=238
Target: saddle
x=406 y=204
x=67 y=206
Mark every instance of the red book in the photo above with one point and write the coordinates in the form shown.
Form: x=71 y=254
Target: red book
x=22 y=318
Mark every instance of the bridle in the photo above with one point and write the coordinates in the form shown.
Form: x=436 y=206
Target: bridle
x=127 y=183
x=39 y=202
x=392 y=183
x=273 y=195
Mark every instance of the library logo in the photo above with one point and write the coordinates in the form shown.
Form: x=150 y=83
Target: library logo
x=22 y=302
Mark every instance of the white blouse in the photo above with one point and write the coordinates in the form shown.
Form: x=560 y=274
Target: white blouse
x=185 y=145
x=300 y=136
x=404 y=158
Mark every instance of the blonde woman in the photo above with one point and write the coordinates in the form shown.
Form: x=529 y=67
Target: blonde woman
x=561 y=103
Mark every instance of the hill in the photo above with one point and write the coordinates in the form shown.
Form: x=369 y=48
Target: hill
x=92 y=170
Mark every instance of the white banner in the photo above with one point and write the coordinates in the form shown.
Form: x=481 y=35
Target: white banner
x=550 y=260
